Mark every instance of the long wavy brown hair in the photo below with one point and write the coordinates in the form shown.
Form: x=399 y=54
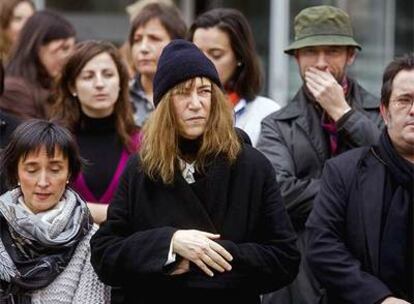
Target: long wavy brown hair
x=40 y=29
x=67 y=108
x=159 y=150
x=6 y=14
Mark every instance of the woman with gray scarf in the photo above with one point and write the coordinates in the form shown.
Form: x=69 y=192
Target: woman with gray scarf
x=45 y=227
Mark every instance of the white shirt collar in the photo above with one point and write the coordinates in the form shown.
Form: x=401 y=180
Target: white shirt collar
x=187 y=170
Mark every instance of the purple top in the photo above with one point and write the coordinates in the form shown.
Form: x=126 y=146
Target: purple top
x=80 y=186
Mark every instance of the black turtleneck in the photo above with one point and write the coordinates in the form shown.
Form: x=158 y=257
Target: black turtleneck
x=101 y=146
x=189 y=147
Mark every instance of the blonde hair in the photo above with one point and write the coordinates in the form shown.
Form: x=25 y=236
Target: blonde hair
x=159 y=149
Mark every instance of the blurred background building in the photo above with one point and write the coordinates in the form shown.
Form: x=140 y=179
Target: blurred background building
x=384 y=28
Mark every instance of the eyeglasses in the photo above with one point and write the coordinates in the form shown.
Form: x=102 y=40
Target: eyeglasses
x=403 y=102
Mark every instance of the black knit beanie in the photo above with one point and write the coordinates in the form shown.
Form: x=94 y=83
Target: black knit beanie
x=179 y=61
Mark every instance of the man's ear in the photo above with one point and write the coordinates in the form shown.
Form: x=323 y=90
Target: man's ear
x=296 y=56
x=351 y=55
x=384 y=113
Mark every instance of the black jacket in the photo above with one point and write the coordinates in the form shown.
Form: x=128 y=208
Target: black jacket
x=295 y=143
x=7 y=125
x=242 y=204
x=344 y=228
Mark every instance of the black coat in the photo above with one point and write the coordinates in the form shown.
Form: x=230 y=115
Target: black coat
x=344 y=228
x=242 y=204
x=7 y=125
x=296 y=144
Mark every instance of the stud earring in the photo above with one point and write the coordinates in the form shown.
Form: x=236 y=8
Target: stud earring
x=74 y=94
x=239 y=63
x=67 y=182
x=18 y=184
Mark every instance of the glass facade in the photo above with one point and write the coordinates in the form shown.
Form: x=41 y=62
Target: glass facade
x=384 y=28
x=95 y=19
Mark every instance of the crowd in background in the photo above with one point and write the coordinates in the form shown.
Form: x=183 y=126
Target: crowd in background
x=165 y=157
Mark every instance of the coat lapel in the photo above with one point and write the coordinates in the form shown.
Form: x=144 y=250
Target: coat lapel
x=193 y=205
x=309 y=122
x=218 y=179
x=371 y=202
x=218 y=176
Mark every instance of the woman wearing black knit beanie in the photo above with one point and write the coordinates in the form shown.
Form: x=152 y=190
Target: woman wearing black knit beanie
x=197 y=217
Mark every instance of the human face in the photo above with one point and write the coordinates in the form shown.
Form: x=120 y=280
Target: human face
x=54 y=54
x=149 y=41
x=192 y=108
x=331 y=58
x=21 y=13
x=399 y=115
x=43 y=179
x=97 y=86
x=216 y=45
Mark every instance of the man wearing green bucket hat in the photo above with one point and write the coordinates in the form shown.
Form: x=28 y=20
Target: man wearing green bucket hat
x=330 y=114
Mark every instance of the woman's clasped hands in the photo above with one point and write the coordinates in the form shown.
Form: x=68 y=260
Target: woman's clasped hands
x=200 y=248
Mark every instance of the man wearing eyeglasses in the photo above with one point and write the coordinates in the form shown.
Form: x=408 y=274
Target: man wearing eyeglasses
x=360 y=231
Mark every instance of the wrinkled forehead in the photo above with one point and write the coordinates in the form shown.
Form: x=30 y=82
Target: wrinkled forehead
x=403 y=83
x=190 y=84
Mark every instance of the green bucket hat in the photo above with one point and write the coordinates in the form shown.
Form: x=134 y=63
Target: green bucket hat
x=322 y=25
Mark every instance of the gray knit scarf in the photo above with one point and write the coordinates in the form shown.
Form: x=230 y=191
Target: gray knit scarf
x=33 y=252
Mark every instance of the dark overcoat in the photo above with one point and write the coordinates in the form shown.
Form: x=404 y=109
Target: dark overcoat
x=8 y=123
x=241 y=202
x=344 y=228
x=297 y=146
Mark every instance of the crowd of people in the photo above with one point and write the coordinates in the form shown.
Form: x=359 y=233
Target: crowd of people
x=159 y=173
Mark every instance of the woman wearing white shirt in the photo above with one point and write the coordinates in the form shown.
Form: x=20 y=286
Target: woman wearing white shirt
x=225 y=37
